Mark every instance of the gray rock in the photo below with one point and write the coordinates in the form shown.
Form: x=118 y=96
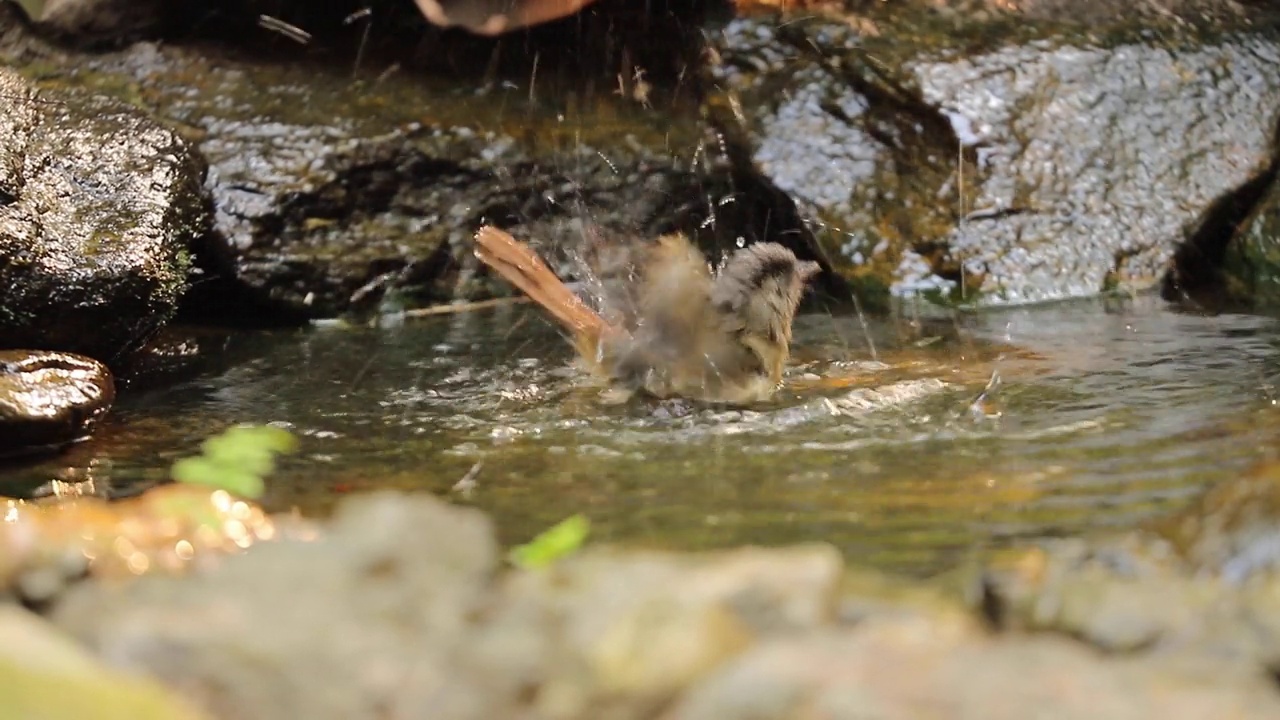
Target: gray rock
x=343 y=626
x=98 y=204
x=1013 y=165
x=1170 y=13
x=46 y=675
x=892 y=669
x=624 y=633
x=1204 y=577
x=1098 y=161
x=50 y=399
x=395 y=609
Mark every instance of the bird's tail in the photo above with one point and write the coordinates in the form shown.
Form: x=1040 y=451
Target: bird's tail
x=519 y=265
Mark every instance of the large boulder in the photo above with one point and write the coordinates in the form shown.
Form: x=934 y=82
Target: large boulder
x=98 y=205
x=1001 y=162
x=330 y=193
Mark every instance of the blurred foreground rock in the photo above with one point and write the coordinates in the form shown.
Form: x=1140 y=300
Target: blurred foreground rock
x=49 y=544
x=399 y=609
x=44 y=674
x=899 y=669
x=1205 y=578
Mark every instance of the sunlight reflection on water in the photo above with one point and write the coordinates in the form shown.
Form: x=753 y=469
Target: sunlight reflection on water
x=1106 y=413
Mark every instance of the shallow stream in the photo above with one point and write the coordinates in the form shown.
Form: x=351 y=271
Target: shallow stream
x=891 y=440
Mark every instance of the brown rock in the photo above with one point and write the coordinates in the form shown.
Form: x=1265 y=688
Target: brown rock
x=494 y=17
x=50 y=399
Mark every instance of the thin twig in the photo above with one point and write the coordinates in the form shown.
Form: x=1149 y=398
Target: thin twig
x=293 y=32
x=454 y=308
x=467 y=485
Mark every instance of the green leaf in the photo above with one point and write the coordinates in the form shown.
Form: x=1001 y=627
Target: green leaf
x=247 y=443
x=237 y=460
x=557 y=541
x=203 y=471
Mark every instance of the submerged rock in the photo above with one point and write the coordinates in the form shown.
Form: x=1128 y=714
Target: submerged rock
x=1232 y=531
x=49 y=399
x=98 y=205
x=1003 y=163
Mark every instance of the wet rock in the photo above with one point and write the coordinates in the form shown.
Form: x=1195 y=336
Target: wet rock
x=101 y=22
x=1110 y=161
x=43 y=674
x=1157 y=12
x=333 y=195
x=50 y=399
x=174 y=354
x=1012 y=164
x=315 y=222
x=914 y=668
x=317 y=219
x=1242 y=268
x=98 y=205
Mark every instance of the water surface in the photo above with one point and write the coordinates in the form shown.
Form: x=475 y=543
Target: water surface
x=1105 y=413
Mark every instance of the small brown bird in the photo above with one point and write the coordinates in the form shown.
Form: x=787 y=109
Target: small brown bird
x=676 y=329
